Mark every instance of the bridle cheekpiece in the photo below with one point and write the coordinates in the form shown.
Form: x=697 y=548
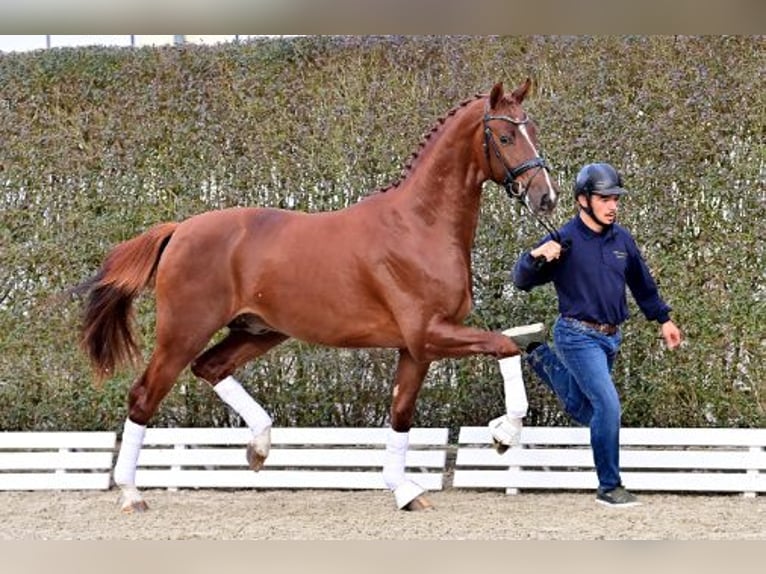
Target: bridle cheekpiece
x=512 y=186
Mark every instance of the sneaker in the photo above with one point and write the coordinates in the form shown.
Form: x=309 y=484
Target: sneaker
x=527 y=335
x=617 y=497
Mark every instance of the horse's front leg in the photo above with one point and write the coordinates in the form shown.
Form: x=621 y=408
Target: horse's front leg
x=409 y=378
x=453 y=340
x=444 y=339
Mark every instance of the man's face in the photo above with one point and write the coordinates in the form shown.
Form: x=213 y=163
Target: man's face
x=604 y=206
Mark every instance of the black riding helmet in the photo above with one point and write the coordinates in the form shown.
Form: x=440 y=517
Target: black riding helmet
x=598 y=178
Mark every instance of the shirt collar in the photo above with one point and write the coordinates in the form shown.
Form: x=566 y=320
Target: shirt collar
x=588 y=233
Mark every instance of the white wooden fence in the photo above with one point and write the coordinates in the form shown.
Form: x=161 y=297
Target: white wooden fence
x=342 y=458
x=652 y=459
x=56 y=460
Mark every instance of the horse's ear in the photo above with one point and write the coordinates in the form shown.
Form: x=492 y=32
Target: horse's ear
x=523 y=90
x=495 y=95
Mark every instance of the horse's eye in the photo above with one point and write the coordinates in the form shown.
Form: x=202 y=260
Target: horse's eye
x=505 y=140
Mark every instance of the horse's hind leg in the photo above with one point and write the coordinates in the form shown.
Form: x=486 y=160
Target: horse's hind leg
x=217 y=365
x=409 y=379
x=144 y=398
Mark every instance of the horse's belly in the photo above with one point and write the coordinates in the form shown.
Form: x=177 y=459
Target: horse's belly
x=331 y=324
x=322 y=309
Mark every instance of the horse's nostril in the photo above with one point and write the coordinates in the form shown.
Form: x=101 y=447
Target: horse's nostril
x=547 y=203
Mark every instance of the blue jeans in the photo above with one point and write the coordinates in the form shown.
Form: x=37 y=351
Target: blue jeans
x=579 y=371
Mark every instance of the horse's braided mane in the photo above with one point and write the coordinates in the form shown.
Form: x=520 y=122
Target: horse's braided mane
x=426 y=139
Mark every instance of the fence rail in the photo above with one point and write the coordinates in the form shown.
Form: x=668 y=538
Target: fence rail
x=651 y=459
x=710 y=460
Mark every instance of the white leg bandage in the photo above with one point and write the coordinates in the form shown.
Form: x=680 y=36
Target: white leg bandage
x=394 y=462
x=232 y=393
x=125 y=467
x=506 y=429
x=513 y=383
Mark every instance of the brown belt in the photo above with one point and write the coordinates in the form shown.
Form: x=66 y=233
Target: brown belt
x=605 y=328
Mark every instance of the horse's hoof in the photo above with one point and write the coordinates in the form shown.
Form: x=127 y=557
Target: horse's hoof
x=419 y=503
x=131 y=500
x=258 y=449
x=500 y=447
x=411 y=496
x=137 y=506
x=254 y=458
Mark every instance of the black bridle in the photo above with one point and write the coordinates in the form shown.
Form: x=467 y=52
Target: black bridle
x=513 y=187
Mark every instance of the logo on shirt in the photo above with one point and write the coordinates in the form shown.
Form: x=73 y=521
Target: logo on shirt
x=620 y=254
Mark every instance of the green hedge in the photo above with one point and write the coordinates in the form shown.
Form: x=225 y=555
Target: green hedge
x=98 y=144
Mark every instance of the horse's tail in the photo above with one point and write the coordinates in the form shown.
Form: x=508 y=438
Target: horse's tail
x=106 y=334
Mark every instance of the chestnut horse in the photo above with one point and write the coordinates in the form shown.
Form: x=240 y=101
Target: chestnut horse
x=392 y=270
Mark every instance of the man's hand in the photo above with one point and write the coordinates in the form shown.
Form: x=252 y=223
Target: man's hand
x=671 y=334
x=550 y=250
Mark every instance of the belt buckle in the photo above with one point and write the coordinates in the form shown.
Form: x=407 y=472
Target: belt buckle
x=606 y=328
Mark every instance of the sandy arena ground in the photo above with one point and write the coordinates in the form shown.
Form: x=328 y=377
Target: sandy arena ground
x=371 y=515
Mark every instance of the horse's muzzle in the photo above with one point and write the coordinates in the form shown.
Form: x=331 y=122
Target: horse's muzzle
x=547 y=203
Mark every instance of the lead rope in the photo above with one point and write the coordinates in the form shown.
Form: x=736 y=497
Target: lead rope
x=540 y=260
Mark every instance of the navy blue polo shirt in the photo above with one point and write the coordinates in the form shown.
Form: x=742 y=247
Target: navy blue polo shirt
x=590 y=277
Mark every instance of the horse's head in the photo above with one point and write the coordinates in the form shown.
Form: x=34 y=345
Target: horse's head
x=510 y=143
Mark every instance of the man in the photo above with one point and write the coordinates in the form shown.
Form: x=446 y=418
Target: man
x=590 y=262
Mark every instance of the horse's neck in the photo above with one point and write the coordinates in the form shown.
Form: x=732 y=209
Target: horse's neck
x=443 y=187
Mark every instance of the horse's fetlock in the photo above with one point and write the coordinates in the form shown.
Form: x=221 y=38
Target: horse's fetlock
x=393 y=477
